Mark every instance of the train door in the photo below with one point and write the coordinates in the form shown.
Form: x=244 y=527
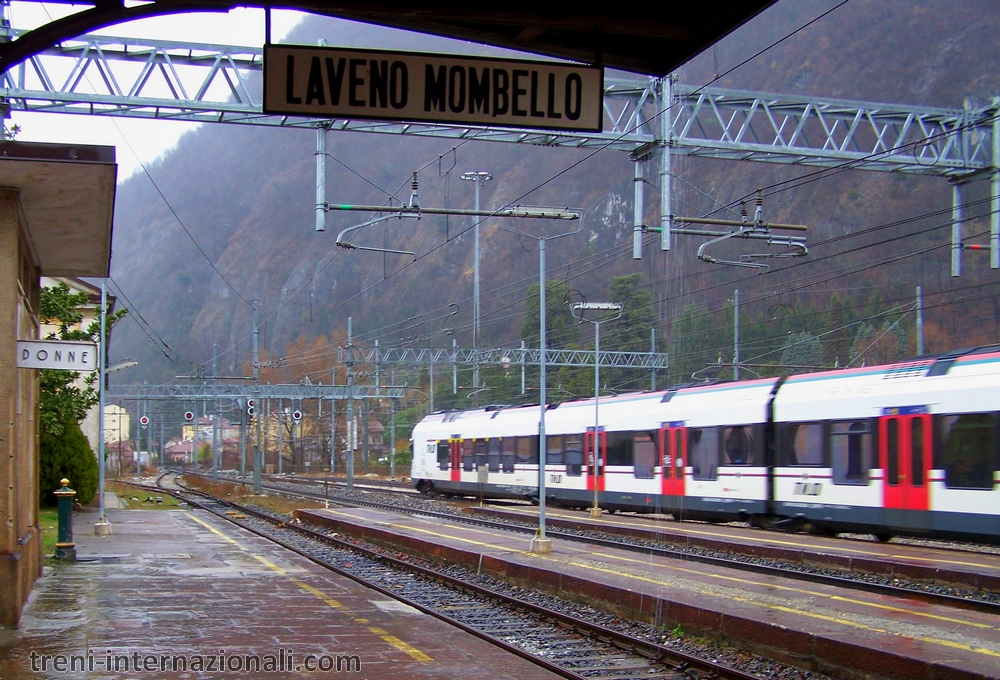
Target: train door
x=456 y=460
x=673 y=457
x=588 y=443
x=905 y=456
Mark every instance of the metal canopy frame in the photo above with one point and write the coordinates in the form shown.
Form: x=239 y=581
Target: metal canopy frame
x=654 y=38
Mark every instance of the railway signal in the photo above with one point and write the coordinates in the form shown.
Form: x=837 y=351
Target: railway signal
x=251 y=407
x=188 y=416
x=144 y=421
x=296 y=416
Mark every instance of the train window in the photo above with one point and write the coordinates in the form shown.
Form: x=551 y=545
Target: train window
x=892 y=452
x=851 y=451
x=619 y=448
x=969 y=443
x=738 y=445
x=644 y=446
x=554 y=450
x=574 y=454
x=493 y=454
x=917 y=451
x=703 y=452
x=444 y=454
x=527 y=450
x=508 y=455
x=807 y=444
x=480 y=453
x=469 y=455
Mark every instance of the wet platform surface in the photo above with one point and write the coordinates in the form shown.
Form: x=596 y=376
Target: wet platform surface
x=180 y=584
x=822 y=627
x=972 y=569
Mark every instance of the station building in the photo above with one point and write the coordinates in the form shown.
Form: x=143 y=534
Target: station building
x=56 y=214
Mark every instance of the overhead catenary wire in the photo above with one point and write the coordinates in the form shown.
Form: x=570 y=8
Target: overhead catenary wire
x=589 y=155
x=389 y=275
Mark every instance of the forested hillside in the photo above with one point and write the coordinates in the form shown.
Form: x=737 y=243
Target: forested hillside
x=246 y=195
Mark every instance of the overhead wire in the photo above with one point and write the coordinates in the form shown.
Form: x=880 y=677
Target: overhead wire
x=588 y=156
x=145 y=326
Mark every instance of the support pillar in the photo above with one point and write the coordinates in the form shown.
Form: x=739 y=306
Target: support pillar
x=666 y=212
x=638 y=207
x=956 y=229
x=321 y=178
x=995 y=192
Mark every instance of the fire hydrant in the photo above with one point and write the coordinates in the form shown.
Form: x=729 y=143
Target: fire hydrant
x=65 y=547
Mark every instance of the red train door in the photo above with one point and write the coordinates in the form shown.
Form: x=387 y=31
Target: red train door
x=588 y=445
x=673 y=457
x=905 y=456
x=456 y=460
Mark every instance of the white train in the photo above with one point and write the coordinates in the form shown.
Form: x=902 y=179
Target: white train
x=910 y=448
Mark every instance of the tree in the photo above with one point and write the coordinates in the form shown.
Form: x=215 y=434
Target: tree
x=802 y=350
x=630 y=333
x=66 y=454
x=63 y=448
x=838 y=342
x=63 y=400
x=561 y=329
x=884 y=345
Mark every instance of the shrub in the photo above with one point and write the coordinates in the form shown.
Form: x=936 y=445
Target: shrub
x=66 y=455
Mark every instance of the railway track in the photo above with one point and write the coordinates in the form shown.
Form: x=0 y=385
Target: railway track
x=556 y=640
x=408 y=490
x=911 y=589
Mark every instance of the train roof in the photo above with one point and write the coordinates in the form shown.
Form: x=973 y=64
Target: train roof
x=964 y=381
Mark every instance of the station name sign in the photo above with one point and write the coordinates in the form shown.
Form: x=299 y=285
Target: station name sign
x=59 y=354
x=413 y=86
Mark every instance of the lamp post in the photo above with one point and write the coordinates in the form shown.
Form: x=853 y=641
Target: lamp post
x=478 y=178
x=102 y=527
x=579 y=309
x=540 y=543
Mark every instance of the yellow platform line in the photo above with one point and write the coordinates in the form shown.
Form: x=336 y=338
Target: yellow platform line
x=811 y=593
x=812 y=615
x=775 y=541
x=391 y=639
x=743 y=581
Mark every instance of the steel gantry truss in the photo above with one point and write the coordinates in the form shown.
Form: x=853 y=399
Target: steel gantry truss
x=209 y=83
x=522 y=356
x=292 y=392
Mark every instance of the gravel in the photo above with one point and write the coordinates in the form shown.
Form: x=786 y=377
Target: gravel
x=420 y=503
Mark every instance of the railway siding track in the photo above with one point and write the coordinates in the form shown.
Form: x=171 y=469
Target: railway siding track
x=558 y=641
x=870 y=581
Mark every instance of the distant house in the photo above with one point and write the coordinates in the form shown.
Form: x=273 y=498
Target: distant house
x=91 y=311
x=201 y=429
x=179 y=452
x=117 y=423
x=120 y=456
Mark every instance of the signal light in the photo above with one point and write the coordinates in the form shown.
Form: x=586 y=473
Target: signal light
x=250 y=407
x=297 y=416
x=188 y=416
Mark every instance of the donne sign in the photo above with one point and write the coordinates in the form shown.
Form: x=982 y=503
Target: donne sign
x=62 y=354
x=412 y=86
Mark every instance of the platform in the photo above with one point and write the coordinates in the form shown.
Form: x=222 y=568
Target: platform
x=949 y=567
x=832 y=630
x=188 y=585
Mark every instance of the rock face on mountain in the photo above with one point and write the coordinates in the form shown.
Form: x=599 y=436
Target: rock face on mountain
x=245 y=195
